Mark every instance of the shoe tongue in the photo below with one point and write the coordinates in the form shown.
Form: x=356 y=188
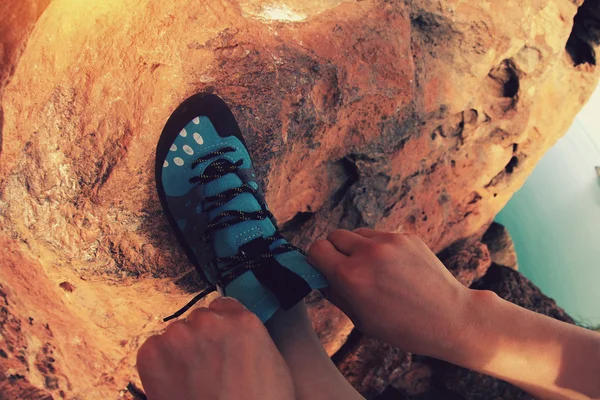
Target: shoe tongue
x=228 y=240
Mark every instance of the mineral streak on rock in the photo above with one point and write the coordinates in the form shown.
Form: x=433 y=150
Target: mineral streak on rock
x=422 y=117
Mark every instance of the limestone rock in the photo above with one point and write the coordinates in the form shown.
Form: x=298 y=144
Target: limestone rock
x=369 y=364
x=414 y=380
x=16 y=22
x=332 y=326
x=467 y=260
x=34 y=318
x=501 y=246
x=420 y=116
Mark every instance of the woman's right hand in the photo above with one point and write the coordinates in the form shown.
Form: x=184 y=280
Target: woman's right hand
x=395 y=289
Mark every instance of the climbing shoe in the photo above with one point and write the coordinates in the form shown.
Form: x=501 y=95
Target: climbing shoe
x=209 y=193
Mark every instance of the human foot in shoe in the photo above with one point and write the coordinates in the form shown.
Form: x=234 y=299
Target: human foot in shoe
x=208 y=190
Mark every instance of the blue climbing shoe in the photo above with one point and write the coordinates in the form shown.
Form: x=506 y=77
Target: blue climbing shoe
x=208 y=190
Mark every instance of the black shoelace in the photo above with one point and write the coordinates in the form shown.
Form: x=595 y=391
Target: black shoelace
x=240 y=263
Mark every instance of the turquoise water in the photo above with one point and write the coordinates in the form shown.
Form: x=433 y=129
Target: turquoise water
x=554 y=219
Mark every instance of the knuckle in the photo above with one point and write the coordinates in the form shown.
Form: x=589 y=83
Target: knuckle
x=201 y=317
x=175 y=328
x=378 y=250
x=177 y=333
x=317 y=245
x=249 y=321
x=335 y=233
x=315 y=248
x=149 y=351
x=226 y=302
x=360 y=231
x=198 y=313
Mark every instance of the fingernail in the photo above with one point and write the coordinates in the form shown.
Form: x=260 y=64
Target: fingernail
x=227 y=298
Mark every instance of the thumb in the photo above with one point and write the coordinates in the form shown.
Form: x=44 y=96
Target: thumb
x=327 y=259
x=323 y=255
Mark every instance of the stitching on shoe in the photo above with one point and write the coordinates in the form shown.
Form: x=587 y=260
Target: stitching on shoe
x=256 y=228
x=310 y=276
x=260 y=301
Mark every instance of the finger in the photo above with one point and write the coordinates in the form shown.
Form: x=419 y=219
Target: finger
x=226 y=305
x=366 y=232
x=325 y=257
x=176 y=328
x=154 y=367
x=345 y=241
x=150 y=352
x=180 y=341
x=150 y=360
x=200 y=314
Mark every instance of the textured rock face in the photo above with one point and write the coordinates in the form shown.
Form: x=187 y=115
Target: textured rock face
x=405 y=116
x=368 y=364
x=501 y=247
x=467 y=260
x=16 y=22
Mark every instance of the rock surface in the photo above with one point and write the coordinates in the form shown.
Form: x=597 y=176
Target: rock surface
x=501 y=247
x=332 y=326
x=368 y=364
x=16 y=22
x=467 y=260
x=404 y=116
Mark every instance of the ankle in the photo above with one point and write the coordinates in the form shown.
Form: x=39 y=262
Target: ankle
x=293 y=323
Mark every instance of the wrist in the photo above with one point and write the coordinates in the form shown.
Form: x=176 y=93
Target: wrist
x=467 y=334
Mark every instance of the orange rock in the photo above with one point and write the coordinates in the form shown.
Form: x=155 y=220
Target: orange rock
x=16 y=22
x=370 y=365
x=332 y=325
x=422 y=117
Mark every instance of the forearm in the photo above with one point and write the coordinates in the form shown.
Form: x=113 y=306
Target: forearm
x=545 y=357
x=394 y=288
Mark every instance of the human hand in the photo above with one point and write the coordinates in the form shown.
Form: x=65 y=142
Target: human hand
x=221 y=352
x=393 y=288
